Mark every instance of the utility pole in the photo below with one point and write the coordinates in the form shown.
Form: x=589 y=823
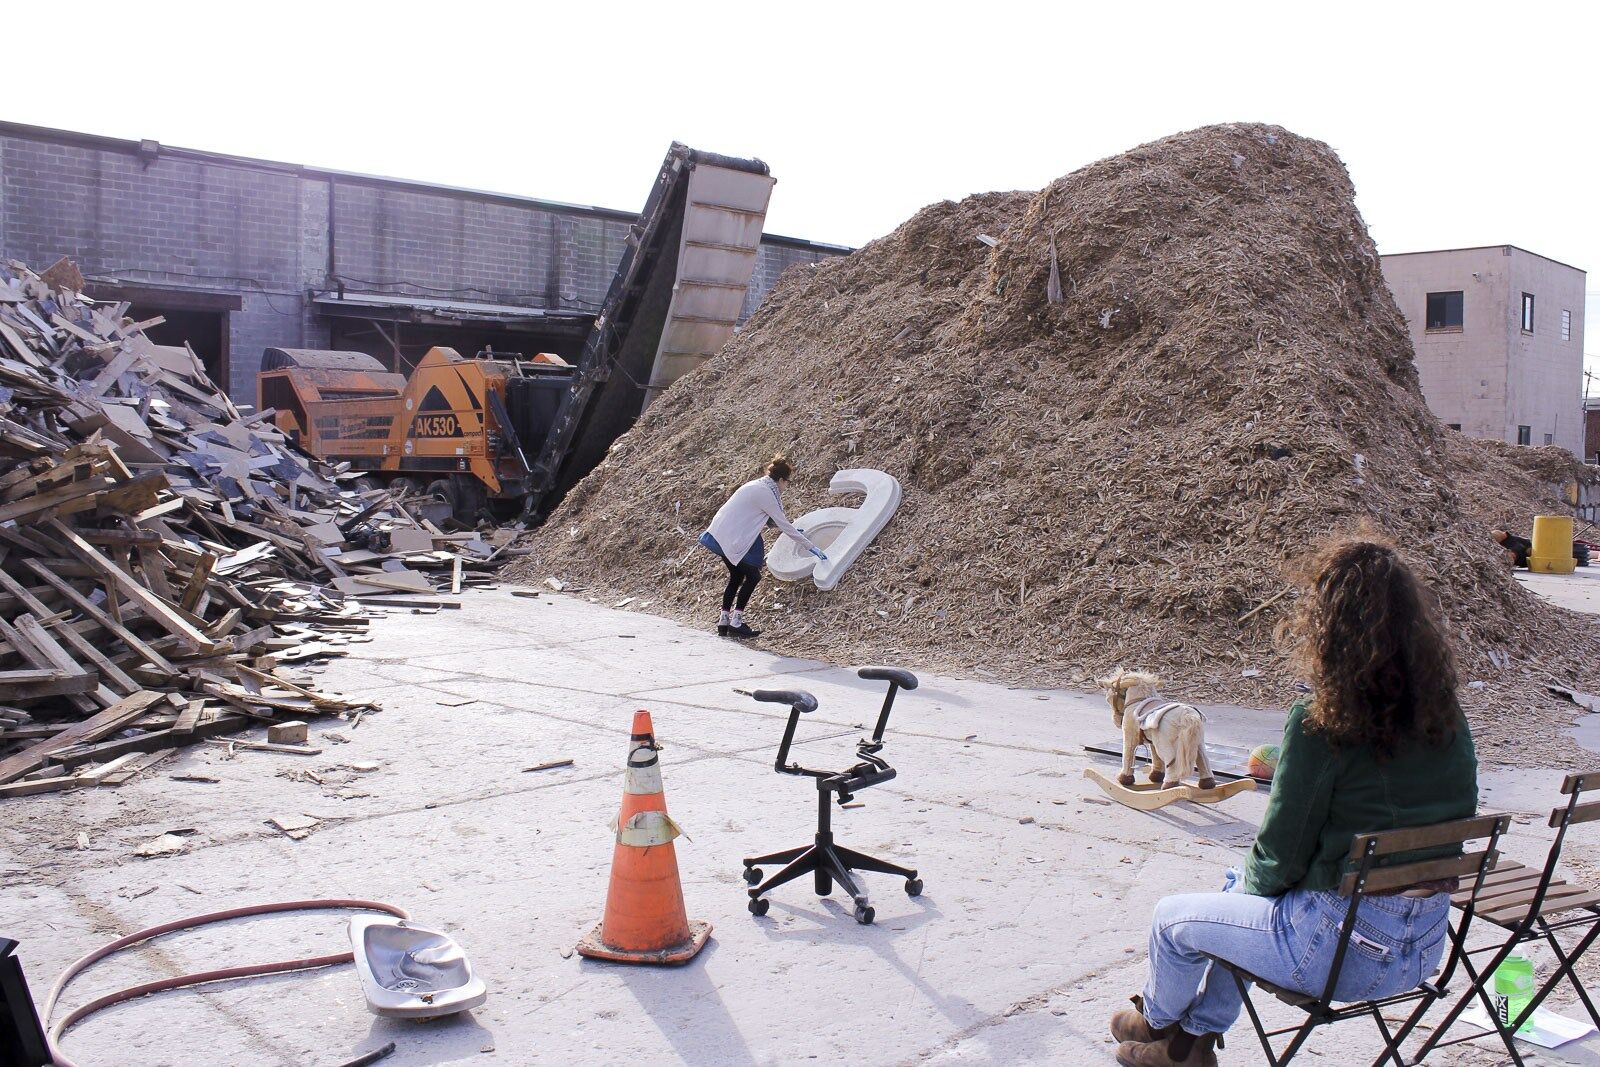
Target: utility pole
x=1588 y=380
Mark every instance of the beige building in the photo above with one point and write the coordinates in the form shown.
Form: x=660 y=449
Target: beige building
x=1498 y=333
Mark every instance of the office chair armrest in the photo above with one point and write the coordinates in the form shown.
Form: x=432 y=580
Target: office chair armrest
x=898 y=679
x=903 y=679
x=798 y=702
x=795 y=698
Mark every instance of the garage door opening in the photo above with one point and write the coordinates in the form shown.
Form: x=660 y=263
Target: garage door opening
x=205 y=331
x=193 y=317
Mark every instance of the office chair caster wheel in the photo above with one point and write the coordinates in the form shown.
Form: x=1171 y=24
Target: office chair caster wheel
x=759 y=905
x=864 y=916
x=752 y=875
x=913 y=887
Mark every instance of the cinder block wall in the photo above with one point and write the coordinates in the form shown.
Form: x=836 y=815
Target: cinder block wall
x=260 y=230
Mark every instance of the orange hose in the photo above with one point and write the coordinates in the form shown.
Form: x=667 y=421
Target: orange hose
x=199 y=978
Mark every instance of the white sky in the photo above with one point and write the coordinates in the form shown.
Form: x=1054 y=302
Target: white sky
x=1462 y=124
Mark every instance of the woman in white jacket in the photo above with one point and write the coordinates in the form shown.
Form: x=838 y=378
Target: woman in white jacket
x=735 y=535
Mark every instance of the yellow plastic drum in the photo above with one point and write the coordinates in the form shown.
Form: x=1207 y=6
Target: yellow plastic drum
x=1552 y=545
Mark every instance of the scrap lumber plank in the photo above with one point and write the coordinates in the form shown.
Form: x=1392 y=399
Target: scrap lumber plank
x=28 y=626
x=108 y=670
x=154 y=568
x=58 y=684
x=101 y=697
x=137 y=493
x=153 y=741
x=267 y=746
x=197 y=581
x=55 y=498
x=91 y=729
x=66 y=677
x=33 y=542
x=96 y=775
x=394 y=581
x=138 y=764
x=188 y=718
x=92 y=610
x=157 y=610
x=112 y=371
x=41 y=785
x=28 y=674
x=144 y=538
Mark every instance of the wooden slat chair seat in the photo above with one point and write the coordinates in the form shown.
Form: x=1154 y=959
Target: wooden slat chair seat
x=1506 y=872
x=1380 y=865
x=1292 y=997
x=1530 y=904
x=1510 y=888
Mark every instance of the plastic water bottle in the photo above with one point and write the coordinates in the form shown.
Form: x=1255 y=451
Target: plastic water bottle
x=1513 y=989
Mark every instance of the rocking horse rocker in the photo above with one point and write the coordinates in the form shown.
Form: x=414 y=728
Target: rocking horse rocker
x=1175 y=735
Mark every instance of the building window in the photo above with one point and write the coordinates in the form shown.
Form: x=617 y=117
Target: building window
x=1444 y=311
x=1524 y=435
x=1566 y=325
x=1549 y=438
x=1527 y=312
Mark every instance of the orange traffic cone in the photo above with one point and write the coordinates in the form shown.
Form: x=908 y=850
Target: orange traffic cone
x=645 y=920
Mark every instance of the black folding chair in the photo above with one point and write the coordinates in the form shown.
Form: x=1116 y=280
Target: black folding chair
x=1380 y=865
x=22 y=1042
x=1531 y=905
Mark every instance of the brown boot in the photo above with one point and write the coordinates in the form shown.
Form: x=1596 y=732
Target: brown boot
x=1129 y=1024
x=1181 y=1049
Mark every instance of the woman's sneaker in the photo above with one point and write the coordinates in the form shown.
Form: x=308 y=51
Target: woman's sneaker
x=723 y=629
x=743 y=632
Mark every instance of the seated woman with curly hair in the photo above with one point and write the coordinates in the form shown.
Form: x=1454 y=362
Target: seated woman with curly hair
x=1382 y=744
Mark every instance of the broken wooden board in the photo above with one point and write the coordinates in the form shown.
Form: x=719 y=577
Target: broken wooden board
x=91 y=729
x=390 y=581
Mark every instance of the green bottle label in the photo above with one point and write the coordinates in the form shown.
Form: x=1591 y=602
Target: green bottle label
x=1513 y=990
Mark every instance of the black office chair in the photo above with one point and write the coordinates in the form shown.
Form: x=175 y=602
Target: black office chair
x=825 y=860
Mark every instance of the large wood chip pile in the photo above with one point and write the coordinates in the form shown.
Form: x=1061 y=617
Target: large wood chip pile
x=162 y=555
x=1120 y=408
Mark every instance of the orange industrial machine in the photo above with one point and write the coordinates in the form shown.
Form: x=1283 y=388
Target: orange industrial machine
x=465 y=429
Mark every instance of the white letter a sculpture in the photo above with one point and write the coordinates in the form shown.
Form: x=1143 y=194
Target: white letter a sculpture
x=843 y=533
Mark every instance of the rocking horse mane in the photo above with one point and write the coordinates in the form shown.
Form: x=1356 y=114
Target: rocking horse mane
x=1125 y=686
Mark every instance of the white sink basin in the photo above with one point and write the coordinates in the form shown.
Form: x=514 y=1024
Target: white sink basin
x=411 y=972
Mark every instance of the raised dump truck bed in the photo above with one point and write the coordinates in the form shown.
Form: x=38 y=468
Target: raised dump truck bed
x=672 y=304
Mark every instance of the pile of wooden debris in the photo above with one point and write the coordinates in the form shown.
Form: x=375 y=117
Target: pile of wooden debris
x=162 y=554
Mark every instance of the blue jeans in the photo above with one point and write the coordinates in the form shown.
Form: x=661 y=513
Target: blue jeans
x=1288 y=941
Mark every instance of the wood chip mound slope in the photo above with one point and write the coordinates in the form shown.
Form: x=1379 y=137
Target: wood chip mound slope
x=1115 y=477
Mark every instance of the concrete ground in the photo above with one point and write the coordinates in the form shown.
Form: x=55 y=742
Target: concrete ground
x=1579 y=591
x=1031 y=930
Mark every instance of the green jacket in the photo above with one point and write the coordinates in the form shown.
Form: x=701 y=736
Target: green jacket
x=1323 y=797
